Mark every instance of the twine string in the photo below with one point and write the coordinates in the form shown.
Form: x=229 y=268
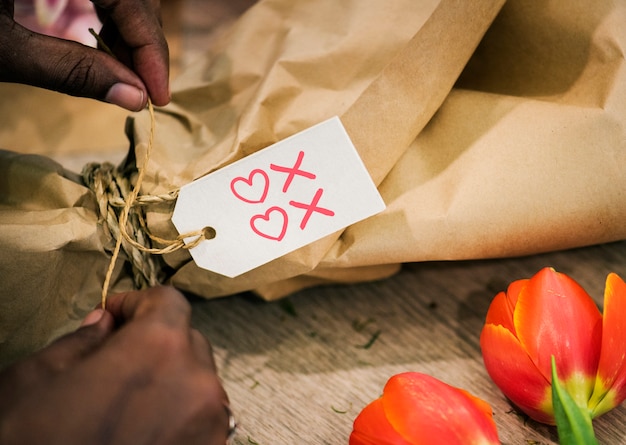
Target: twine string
x=134 y=248
x=128 y=226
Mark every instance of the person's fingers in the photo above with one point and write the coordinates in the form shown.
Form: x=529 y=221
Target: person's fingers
x=138 y=24
x=7 y=8
x=202 y=350
x=67 y=67
x=93 y=317
x=72 y=347
x=161 y=304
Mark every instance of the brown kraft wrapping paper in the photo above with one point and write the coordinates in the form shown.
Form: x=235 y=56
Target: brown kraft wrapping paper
x=490 y=130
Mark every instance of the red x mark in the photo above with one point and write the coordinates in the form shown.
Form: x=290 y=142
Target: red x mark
x=312 y=207
x=293 y=171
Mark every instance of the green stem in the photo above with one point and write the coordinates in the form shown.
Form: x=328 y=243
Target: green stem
x=573 y=423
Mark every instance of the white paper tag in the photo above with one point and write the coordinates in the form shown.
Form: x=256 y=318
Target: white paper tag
x=277 y=200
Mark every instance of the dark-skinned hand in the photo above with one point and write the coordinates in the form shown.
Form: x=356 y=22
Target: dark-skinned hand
x=135 y=374
x=131 y=29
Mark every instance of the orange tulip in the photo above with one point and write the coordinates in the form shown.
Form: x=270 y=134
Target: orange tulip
x=416 y=409
x=552 y=315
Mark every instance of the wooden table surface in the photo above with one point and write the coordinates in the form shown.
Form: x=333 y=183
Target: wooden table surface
x=297 y=370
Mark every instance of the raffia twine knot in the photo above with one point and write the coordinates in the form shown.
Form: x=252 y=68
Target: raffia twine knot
x=112 y=189
x=122 y=214
x=115 y=194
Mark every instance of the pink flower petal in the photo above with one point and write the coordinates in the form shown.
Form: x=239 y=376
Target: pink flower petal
x=49 y=11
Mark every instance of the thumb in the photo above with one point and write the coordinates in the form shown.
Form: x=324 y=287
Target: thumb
x=67 y=67
x=72 y=347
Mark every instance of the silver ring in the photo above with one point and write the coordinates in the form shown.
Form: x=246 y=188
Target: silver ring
x=232 y=424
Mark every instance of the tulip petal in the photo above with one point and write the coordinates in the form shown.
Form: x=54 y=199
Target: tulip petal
x=555 y=316
x=501 y=313
x=502 y=307
x=482 y=406
x=371 y=427
x=610 y=389
x=513 y=291
x=515 y=374
x=426 y=411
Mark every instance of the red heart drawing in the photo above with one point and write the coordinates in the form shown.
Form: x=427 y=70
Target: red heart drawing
x=272 y=222
x=251 y=190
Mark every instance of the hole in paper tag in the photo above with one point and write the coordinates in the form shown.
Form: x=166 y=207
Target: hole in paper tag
x=277 y=200
x=209 y=233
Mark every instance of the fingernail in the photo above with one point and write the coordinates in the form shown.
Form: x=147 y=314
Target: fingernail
x=125 y=96
x=92 y=317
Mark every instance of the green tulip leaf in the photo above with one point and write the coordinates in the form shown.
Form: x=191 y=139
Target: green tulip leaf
x=573 y=423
